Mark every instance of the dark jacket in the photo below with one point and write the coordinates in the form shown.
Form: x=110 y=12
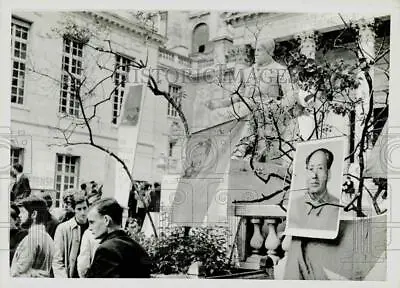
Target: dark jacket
x=51 y=225
x=119 y=256
x=21 y=189
x=132 y=203
x=67 y=216
x=154 y=205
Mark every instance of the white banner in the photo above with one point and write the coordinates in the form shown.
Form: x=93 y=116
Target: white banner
x=128 y=134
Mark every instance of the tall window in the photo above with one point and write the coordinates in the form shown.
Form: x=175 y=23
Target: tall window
x=16 y=155
x=71 y=76
x=67 y=174
x=120 y=79
x=176 y=93
x=200 y=38
x=19 y=45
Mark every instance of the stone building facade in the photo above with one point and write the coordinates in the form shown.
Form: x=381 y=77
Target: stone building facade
x=190 y=50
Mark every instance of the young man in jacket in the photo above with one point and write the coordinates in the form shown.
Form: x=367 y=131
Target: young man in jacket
x=21 y=188
x=88 y=243
x=67 y=239
x=118 y=255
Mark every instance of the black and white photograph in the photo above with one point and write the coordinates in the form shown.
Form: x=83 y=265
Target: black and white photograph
x=316 y=189
x=197 y=143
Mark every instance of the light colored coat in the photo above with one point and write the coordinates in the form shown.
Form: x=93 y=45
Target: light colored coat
x=34 y=254
x=66 y=240
x=88 y=247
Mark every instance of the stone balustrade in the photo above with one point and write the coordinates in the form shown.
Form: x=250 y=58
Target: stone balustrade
x=172 y=59
x=204 y=63
x=184 y=60
x=264 y=246
x=237 y=54
x=166 y=54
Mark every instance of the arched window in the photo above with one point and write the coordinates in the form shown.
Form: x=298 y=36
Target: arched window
x=200 y=38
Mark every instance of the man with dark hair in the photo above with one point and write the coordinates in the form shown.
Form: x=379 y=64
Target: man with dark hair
x=143 y=200
x=68 y=203
x=21 y=188
x=16 y=233
x=328 y=155
x=132 y=203
x=93 y=187
x=14 y=212
x=156 y=198
x=88 y=244
x=306 y=212
x=83 y=188
x=34 y=254
x=52 y=222
x=68 y=237
x=118 y=255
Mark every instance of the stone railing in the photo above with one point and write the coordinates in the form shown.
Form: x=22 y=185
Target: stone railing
x=184 y=60
x=260 y=248
x=204 y=63
x=240 y=54
x=166 y=54
x=173 y=59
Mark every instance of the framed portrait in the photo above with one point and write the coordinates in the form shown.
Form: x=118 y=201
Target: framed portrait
x=315 y=190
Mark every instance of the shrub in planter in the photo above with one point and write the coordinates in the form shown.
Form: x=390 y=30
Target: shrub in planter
x=173 y=252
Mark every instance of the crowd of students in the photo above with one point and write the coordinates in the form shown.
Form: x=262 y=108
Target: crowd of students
x=82 y=239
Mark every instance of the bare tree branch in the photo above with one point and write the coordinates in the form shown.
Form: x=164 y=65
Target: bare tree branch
x=264 y=197
x=152 y=84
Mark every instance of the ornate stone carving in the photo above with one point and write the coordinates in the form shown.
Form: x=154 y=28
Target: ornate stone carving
x=240 y=54
x=366 y=38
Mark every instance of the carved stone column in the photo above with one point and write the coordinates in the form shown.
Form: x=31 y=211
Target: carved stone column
x=279 y=269
x=272 y=242
x=241 y=240
x=256 y=242
x=265 y=215
x=286 y=243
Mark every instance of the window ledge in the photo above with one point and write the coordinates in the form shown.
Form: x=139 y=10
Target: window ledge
x=20 y=107
x=66 y=116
